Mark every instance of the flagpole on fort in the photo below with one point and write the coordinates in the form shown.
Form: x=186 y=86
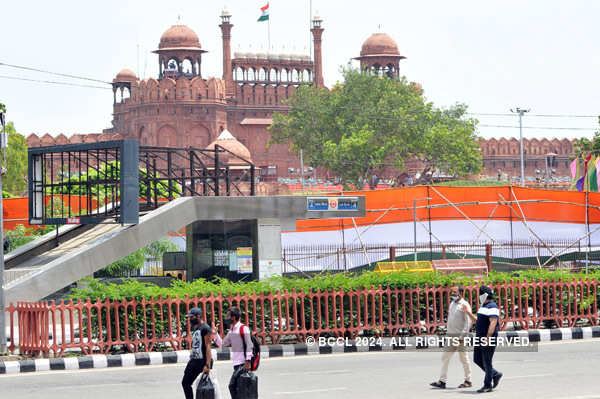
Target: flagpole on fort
x=269 y=32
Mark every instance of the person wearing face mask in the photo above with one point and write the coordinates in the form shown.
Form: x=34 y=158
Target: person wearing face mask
x=200 y=355
x=241 y=358
x=459 y=324
x=487 y=328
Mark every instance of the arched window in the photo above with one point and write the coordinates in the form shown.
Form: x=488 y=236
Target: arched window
x=294 y=75
x=239 y=73
x=273 y=75
x=306 y=75
x=187 y=67
x=172 y=65
x=262 y=74
x=251 y=74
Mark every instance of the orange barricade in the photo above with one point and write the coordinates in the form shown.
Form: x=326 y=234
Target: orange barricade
x=101 y=326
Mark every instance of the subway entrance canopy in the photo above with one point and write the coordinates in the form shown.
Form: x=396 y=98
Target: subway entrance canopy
x=147 y=193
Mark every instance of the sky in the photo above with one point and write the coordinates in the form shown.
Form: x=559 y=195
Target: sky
x=492 y=56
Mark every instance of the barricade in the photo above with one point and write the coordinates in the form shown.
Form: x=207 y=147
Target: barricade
x=475 y=266
x=103 y=326
x=421 y=266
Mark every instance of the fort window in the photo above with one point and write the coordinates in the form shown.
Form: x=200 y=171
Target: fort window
x=187 y=67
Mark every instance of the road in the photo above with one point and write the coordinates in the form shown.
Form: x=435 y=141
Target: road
x=559 y=370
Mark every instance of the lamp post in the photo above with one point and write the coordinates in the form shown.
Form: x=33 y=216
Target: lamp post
x=415 y=221
x=3 y=146
x=521 y=112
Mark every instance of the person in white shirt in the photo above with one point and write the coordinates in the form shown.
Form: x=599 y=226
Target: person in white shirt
x=241 y=358
x=460 y=318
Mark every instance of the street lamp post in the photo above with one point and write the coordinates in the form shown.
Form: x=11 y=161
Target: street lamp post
x=3 y=146
x=415 y=222
x=521 y=112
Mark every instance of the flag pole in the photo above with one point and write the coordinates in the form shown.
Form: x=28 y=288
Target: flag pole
x=269 y=30
x=310 y=51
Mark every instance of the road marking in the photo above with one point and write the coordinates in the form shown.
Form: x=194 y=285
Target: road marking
x=317 y=372
x=512 y=377
x=311 y=391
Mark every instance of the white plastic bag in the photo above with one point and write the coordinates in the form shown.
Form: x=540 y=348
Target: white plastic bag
x=215 y=381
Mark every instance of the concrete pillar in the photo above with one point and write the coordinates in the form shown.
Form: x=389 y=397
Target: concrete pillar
x=269 y=248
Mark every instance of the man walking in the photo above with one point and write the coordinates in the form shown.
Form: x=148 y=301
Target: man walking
x=200 y=355
x=241 y=348
x=459 y=324
x=486 y=332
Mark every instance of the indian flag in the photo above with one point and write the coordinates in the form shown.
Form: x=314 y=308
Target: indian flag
x=265 y=13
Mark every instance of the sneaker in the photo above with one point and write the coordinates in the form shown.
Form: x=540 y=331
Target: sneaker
x=438 y=384
x=496 y=380
x=484 y=390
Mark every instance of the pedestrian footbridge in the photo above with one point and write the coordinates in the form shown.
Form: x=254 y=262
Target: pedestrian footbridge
x=41 y=267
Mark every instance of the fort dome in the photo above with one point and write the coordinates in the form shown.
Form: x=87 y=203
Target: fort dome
x=179 y=36
x=379 y=44
x=231 y=144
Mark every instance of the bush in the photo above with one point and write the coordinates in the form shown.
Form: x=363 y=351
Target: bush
x=132 y=289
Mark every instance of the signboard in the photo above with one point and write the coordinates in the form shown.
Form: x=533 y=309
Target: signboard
x=221 y=258
x=233 y=263
x=332 y=203
x=73 y=220
x=269 y=268
x=244 y=260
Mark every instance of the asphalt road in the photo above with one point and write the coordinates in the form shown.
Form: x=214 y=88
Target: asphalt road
x=559 y=370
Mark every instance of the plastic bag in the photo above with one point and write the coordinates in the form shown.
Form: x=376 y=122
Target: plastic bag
x=247 y=386
x=206 y=388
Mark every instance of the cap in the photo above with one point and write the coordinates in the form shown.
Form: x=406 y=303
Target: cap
x=194 y=312
x=484 y=289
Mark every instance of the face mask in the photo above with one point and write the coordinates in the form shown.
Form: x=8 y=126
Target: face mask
x=194 y=322
x=453 y=298
x=482 y=298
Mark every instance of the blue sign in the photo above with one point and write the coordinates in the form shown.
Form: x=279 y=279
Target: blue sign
x=332 y=203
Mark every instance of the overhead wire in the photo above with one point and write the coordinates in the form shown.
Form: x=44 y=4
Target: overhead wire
x=53 y=73
x=53 y=82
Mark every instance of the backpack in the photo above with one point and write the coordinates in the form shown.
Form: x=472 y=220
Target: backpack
x=255 y=360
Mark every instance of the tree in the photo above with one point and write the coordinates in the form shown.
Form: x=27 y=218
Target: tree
x=584 y=145
x=15 y=179
x=135 y=261
x=359 y=127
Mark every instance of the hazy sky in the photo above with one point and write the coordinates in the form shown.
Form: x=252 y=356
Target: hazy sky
x=541 y=55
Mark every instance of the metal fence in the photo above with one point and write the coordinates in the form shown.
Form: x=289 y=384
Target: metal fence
x=506 y=255
x=102 y=326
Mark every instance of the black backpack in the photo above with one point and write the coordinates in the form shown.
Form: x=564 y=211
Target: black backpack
x=255 y=360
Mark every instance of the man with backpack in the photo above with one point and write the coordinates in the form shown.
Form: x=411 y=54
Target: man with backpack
x=239 y=338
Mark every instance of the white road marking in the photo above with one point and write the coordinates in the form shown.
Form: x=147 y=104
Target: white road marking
x=311 y=391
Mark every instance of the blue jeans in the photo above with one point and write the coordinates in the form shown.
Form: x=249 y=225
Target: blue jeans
x=482 y=356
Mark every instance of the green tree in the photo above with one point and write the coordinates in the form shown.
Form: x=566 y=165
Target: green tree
x=158 y=248
x=135 y=261
x=367 y=123
x=15 y=179
x=585 y=145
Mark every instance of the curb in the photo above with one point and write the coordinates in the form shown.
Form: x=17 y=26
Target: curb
x=361 y=344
